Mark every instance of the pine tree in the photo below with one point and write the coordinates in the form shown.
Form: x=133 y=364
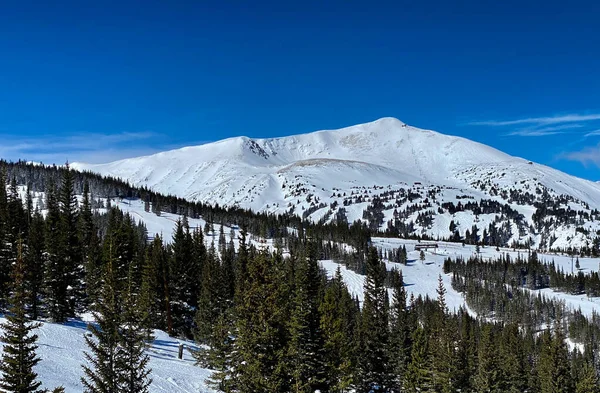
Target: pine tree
x=374 y=367
x=70 y=251
x=133 y=362
x=34 y=260
x=337 y=317
x=554 y=369
x=103 y=374
x=489 y=374
x=261 y=328
x=5 y=241
x=152 y=289
x=305 y=352
x=588 y=380
x=443 y=344
x=19 y=358
x=418 y=373
x=211 y=302
x=513 y=359
x=183 y=279
x=90 y=248
x=399 y=330
x=220 y=356
x=55 y=284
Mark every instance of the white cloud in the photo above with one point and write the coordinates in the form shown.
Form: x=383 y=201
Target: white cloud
x=586 y=156
x=539 y=121
x=592 y=133
x=544 y=131
x=87 y=147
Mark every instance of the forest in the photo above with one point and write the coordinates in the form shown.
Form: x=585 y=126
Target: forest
x=269 y=320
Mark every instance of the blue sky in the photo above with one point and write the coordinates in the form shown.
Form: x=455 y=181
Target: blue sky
x=107 y=80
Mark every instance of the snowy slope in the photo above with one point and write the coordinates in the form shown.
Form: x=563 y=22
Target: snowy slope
x=62 y=346
x=421 y=278
x=324 y=174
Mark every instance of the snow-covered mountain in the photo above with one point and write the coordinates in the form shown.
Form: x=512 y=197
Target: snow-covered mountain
x=383 y=168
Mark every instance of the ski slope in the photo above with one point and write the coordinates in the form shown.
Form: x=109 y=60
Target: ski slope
x=421 y=278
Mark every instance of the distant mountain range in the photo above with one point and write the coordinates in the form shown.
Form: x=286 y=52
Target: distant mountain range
x=389 y=174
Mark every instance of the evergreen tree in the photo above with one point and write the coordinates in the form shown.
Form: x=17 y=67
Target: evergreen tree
x=211 y=302
x=513 y=359
x=183 y=279
x=55 y=283
x=90 y=248
x=489 y=375
x=133 y=362
x=152 y=290
x=588 y=380
x=399 y=329
x=103 y=373
x=70 y=250
x=19 y=358
x=261 y=329
x=443 y=344
x=554 y=370
x=305 y=352
x=34 y=260
x=374 y=367
x=337 y=311
x=418 y=373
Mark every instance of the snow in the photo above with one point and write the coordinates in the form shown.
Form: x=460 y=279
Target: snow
x=421 y=278
x=325 y=168
x=61 y=349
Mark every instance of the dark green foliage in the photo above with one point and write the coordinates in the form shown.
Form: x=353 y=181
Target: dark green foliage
x=400 y=330
x=489 y=375
x=338 y=322
x=305 y=350
x=70 y=257
x=103 y=373
x=374 y=365
x=261 y=326
x=418 y=376
x=116 y=359
x=554 y=368
x=54 y=280
x=34 y=261
x=588 y=380
x=133 y=362
x=19 y=358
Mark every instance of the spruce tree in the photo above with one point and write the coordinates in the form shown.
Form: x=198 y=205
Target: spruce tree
x=399 y=330
x=305 y=352
x=184 y=284
x=54 y=276
x=489 y=374
x=374 y=367
x=70 y=250
x=152 y=289
x=513 y=359
x=19 y=358
x=588 y=380
x=133 y=362
x=103 y=373
x=554 y=369
x=418 y=373
x=261 y=328
x=443 y=344
x=34 y=260
x=337 y=313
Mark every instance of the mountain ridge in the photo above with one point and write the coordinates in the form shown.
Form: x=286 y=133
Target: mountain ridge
x=315 y=174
